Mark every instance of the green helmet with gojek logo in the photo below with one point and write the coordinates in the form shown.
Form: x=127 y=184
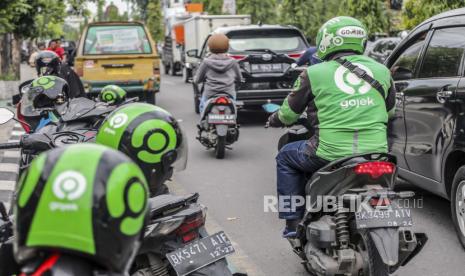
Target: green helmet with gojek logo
x=112 y=94
x=341 y=33
x=83 y=199
x=151 y=136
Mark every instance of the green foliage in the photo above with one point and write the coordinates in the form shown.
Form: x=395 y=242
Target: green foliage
x=11 y=12
x=154 y=20
x=416 y=11
x=373 y=13
x=308 y=15
x=211 y=6
x=261 y=11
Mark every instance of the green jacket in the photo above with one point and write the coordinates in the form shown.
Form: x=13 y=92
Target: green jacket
x=348 y=115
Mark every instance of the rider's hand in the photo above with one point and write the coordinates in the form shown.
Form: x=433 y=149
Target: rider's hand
x=273 y=121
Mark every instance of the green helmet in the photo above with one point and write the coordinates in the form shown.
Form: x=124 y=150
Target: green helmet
x=112 y=94
x=150 y=136
x=341 y=33
x=83 y=199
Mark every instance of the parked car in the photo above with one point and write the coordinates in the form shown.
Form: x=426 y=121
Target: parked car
x=427 y=133
x=121 y=53
x=266 y=55
x=382 y=48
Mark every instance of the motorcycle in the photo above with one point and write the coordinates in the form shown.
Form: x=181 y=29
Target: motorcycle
x=366 y=231
x=177 y=243
x=175 y=239
x=218 y=126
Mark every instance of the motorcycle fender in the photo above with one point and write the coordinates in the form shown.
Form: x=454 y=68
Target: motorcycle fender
x=386 y=241
x=221 y=130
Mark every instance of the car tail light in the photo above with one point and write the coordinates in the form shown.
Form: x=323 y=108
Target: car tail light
x=238 y=57
x=222 y=100
x=188 y=230
x=375 y=169
x=295 y=55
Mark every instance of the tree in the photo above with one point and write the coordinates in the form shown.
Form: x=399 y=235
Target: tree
x=308 y=16
x=373 y=13
x=211 y=6
x=261 y=11
x=149 y=11
x=416 y=11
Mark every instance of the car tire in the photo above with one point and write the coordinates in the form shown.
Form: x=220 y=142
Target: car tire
x=457 y=202
x=185 y=74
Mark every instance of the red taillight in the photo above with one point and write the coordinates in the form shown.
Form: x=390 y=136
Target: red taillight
x=222 y=100
x=295 y=55
x=188 y=230
x=45 y=266
x=380 y=202
x=375 y=169
x=238 y=57
x=21 y=119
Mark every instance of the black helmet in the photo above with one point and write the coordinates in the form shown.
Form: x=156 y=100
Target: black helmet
x=150 y=136
x=47 y=62
x=44 y=93
x=85 y=199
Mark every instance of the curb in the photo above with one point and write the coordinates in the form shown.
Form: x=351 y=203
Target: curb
x=9 y=168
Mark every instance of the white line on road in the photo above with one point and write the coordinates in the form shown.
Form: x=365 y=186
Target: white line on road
x=7 y=185
x=9 y=167
x=12 y=154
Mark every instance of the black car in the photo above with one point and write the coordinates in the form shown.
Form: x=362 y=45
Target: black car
x=267 y=55
x=427 y=133
x=382 y=48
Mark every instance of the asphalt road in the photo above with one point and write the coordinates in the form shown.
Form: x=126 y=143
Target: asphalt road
x=233 y=190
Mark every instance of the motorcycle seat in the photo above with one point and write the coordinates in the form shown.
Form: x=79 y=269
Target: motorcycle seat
x=163 y=203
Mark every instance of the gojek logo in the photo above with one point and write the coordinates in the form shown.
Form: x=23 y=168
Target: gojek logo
x=118 y=120
x=68 y=186
x=350 y=84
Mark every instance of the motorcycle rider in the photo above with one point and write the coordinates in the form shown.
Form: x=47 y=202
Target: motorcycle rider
x=49 y=63
x=219 y=71
x=149 y=135
x=348 y=114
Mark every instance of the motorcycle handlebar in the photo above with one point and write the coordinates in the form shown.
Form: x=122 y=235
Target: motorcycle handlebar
x=13 y=145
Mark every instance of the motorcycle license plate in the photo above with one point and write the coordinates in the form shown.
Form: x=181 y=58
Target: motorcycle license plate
x=228 y=119
x=391 y=217
x=200 y=253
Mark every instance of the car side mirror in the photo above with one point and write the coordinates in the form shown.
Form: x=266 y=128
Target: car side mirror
x=401 y=73
x=5 y=115
x=193 y=53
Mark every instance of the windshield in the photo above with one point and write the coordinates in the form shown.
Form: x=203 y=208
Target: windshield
x=275 y=40
x=116 y=40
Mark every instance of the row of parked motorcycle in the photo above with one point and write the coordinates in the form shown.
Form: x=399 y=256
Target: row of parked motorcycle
x=91 y=198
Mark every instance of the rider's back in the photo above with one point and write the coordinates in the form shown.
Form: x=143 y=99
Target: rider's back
x=351 y=114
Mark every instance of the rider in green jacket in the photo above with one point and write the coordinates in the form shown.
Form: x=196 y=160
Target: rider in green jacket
x=348 y=111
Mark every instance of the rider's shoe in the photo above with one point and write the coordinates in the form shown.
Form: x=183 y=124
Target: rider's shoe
x=290 y=232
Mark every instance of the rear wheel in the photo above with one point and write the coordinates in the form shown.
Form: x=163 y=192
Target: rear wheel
x=166 y=68
x=373 y=265
x=185 y=74
x=220 y=147
x=458 y=204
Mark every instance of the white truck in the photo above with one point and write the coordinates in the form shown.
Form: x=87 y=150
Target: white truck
x=197 y=29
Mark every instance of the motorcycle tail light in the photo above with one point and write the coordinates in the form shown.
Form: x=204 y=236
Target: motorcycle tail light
x=380 y=202
x=375 y=169
x=222 y=100
x=188 y=230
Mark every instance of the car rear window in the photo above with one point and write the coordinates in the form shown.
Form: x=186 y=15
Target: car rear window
x=116 y=40
x=276 y=40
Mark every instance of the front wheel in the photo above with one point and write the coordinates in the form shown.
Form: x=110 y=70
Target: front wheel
x=373 y=265
x=197 y=104
x=220 y=147
x=457 y=203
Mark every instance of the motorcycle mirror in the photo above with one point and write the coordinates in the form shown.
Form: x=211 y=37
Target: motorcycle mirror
x=6 y=115
x=271 y=107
